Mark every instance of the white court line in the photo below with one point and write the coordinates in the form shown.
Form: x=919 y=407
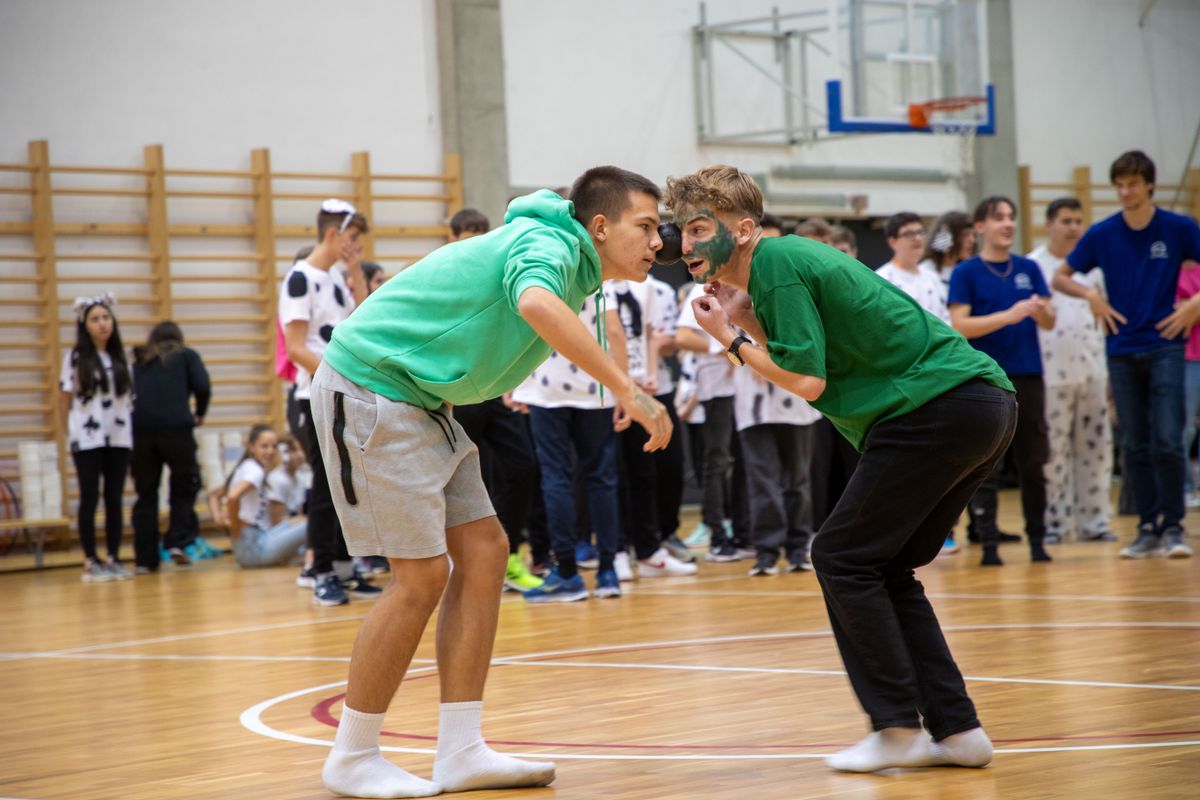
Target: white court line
x=838 y=673
x=251 y=718
x=184 y=637
x=1092 y=598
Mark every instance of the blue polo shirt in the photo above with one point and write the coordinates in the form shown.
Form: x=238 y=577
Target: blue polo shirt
x=1141 y=271
x=988 y=287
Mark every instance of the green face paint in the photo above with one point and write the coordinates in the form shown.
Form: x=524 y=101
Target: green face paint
x=716 y=250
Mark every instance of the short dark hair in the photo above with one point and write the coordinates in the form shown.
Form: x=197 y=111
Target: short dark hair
x=988 y=205
x=370 y=269
x=1132 y=162
x=842 y=234
x=895 y=222
x=1061 y=204
x=331 y=219
x=469 y=220
x=606 y=190
x=771 y=221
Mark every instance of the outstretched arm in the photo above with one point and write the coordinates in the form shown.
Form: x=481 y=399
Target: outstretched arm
x=560 y=327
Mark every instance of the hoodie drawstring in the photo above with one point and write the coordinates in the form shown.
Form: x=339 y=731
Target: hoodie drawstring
x=444 y=426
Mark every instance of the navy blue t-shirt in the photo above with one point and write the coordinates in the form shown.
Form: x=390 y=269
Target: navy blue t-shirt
x=978 y=284
x=1141 y=271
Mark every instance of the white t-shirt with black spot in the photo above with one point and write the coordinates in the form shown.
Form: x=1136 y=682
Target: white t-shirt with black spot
x=757 y=401
x=320 y=298
x=287 y=488
x=713 y=371
x=103 y=420
x=252 y=510
x=922 y=285
x=664 y=317
x=558 y=383
x=1073 y=350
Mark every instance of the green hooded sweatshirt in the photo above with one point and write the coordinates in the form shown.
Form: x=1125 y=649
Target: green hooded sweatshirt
x=446 y=329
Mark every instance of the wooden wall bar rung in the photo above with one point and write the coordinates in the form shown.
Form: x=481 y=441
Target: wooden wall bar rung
x=20 y=279
x=17 y=191
x=219 y=339
x=101 y=170
x=25 y=346
x=27 y=301
x=105 y=257
x=93 y=278
x=237 y=278
x=375 y=176
x=229 y=360
x=15 y=168
x=315 y=196
x=13 y=409
x=402 y=198
x=122 y=299
x=25 y=366
x=212 y=195
x=80 y=192
x=27 y=430
x=207 y=173
x=234 y=400
x=223 y=319
x=224 y=231
x=309 y=176
x=100 y=229
x=212 y=257
x=19 y=257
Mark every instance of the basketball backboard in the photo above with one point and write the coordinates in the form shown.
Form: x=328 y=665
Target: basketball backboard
x=909 y=66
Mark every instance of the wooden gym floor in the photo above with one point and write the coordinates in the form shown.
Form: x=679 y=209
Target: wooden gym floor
x=215 y=682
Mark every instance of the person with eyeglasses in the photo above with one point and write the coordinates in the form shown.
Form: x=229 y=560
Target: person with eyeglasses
x=998 y=300
x=316 y=296
x=905 y=233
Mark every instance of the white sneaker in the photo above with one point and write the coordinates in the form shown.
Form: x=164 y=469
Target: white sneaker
x=664 y=565
x=622 y=567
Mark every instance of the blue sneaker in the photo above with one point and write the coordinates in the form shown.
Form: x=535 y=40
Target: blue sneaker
x=360 y=587
x=700 y=536
x=557 y=589
x=329 y=591
x=586 y=556
x=607 y=584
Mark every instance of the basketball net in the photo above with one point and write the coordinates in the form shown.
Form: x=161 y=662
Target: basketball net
x=950 y=117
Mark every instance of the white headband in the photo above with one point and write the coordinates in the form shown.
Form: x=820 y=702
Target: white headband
x=335 y=206
x=82 y=305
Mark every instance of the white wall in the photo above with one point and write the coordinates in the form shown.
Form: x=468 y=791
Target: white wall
x=312 y=80
x=596 y=83
x=1092 y=84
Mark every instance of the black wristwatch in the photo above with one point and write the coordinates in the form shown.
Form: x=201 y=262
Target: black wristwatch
x=733 y=353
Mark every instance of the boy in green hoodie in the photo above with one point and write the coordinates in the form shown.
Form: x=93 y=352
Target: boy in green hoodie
x=465 y=324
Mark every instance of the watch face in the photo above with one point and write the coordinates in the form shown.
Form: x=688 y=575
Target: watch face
x=734 y=358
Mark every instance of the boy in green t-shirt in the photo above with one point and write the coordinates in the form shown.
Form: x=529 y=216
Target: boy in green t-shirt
x=465 y=324
x=931 y=416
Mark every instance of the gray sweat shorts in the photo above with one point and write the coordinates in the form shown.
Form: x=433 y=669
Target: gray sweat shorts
x=399 y=475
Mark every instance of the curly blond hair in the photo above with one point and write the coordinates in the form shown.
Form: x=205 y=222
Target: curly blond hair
x=719 y=188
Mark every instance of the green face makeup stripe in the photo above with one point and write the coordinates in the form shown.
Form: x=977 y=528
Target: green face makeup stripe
x=716 y=250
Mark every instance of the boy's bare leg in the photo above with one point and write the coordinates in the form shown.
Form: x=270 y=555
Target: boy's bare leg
x=382 y=652
x=465 y=636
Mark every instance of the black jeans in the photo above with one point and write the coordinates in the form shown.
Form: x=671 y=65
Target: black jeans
x=637 y=483
x=833 y=462
x=324 y=530
x=668 y=472
x=506 y=461
x=151 y=450
x=111 y=464
x=916 y=474
x=1031 y=451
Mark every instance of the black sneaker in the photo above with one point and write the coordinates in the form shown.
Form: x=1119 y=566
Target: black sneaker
x=361 y=588
x=329 y=591
x=307 y=579
x=723 y=552
x=1038 y=553
x=991 y=558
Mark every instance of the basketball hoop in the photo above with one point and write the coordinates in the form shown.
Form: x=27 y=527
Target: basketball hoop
x=945 y=117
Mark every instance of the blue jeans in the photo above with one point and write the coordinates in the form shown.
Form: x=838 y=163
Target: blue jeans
x=276 y=546
x=557 y=432
x=1148 y=390
x=1191 y=407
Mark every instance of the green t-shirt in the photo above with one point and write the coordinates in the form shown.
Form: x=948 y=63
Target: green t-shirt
x=880 y=353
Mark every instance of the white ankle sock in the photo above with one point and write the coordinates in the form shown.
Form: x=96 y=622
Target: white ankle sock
x=970 y=748
x=356 y=768
x=465 y=762
x=886 y=749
